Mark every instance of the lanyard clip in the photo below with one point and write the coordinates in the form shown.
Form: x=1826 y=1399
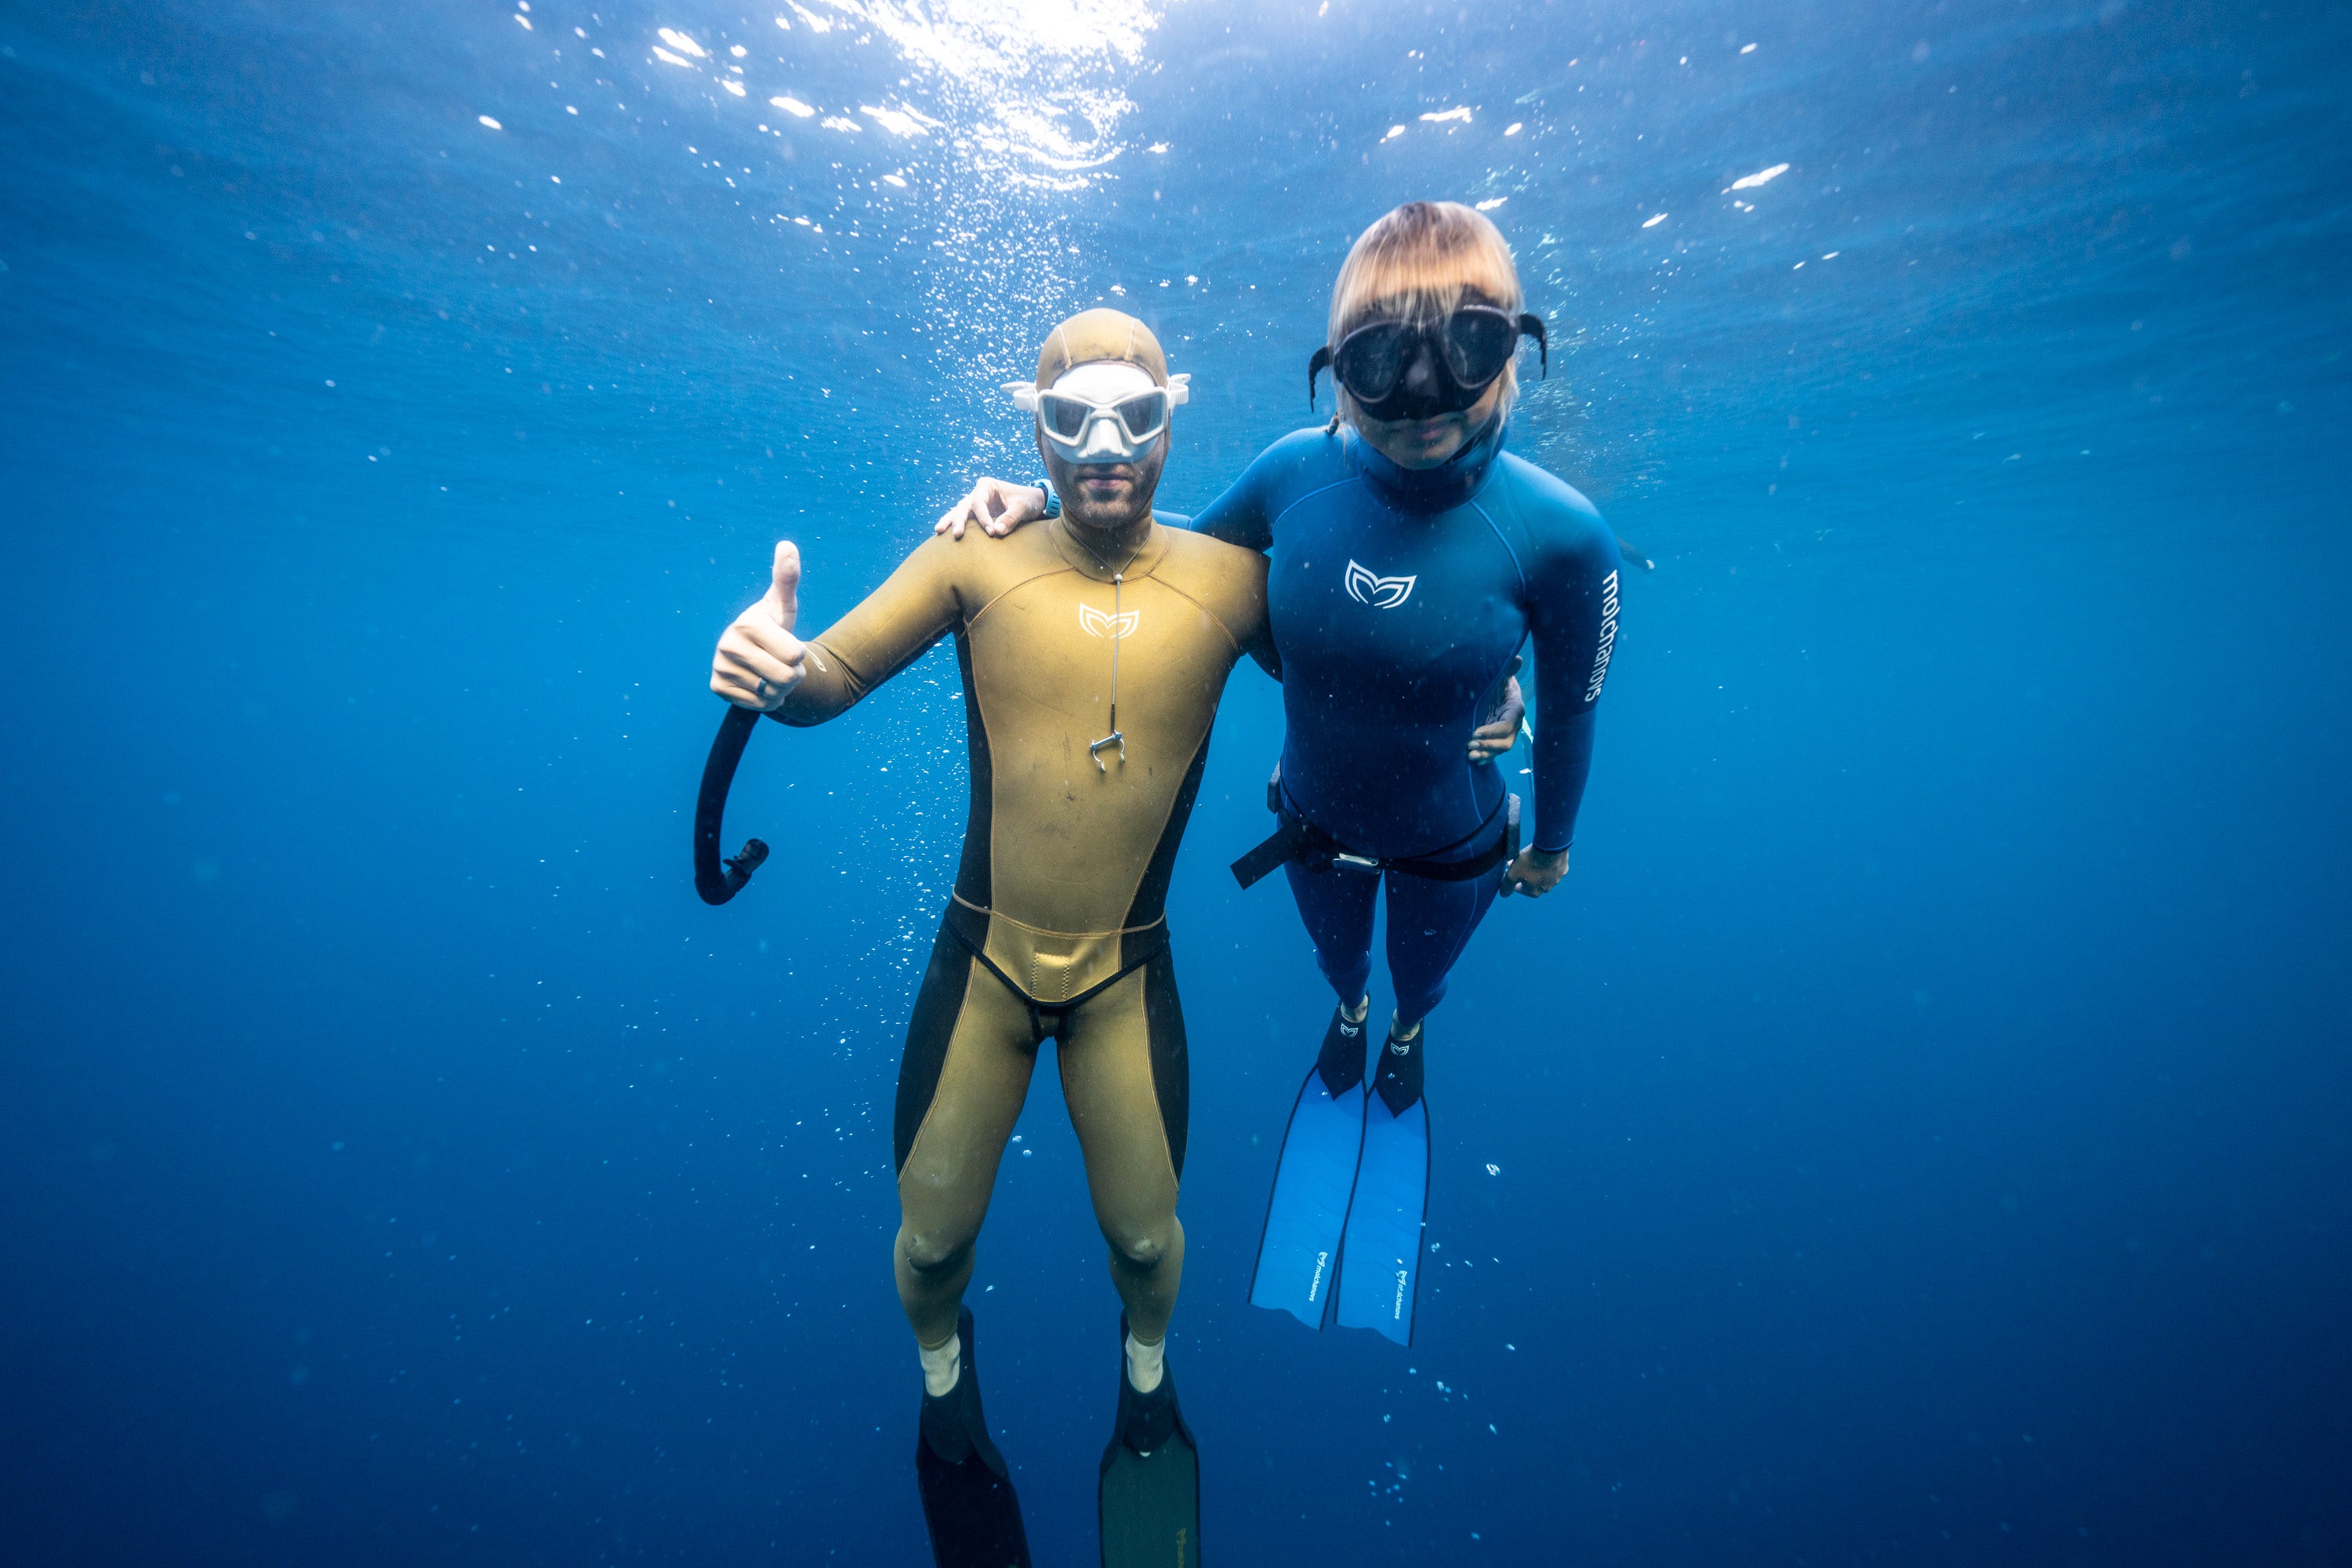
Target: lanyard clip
x=1113 y=739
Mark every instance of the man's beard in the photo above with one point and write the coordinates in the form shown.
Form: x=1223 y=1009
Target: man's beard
x=1108 y=516
x=1087 y=511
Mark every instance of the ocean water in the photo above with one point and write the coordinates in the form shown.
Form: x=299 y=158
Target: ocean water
x=1916 y=1132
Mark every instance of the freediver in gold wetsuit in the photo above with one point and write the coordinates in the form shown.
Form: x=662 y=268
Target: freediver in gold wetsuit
x=1093 y=651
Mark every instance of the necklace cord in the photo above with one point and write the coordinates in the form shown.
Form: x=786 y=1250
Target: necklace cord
x=1117 y=607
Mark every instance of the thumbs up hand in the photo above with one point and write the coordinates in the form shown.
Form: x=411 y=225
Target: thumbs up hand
x=759 y=660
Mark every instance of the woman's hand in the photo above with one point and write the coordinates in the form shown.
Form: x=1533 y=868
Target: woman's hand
x=1535 y=872
x=1500 y=732
x=759 y=660
x=997 y=506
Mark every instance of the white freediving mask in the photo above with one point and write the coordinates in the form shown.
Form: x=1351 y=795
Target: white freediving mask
x=1109 y=410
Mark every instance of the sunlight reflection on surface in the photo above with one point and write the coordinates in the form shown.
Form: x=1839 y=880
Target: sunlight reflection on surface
x=1006 y=104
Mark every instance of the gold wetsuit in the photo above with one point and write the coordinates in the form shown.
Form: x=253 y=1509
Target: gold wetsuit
x=1056 y=927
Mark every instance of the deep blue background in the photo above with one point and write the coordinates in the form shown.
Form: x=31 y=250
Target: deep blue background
x=1918 y=1124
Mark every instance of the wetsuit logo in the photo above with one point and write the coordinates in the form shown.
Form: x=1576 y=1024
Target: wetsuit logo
x=1103 y=623
x=1367 y=587
x=1608 y=639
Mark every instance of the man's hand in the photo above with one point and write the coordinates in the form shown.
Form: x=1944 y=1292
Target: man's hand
x=759 y=659
x=1535 y=873
x=1500 y=732
x=997 y=506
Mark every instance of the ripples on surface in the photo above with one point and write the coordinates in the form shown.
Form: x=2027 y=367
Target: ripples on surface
x=1798 y=271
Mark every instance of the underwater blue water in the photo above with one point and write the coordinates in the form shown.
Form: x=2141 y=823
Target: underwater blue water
x=1916 y=1132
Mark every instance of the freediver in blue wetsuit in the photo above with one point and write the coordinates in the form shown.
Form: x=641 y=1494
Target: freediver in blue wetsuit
x=1411 y=557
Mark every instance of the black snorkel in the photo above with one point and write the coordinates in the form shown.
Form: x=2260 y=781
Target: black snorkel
x=719 y=880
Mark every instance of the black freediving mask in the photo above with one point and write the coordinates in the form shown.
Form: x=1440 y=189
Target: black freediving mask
x=1402 y=369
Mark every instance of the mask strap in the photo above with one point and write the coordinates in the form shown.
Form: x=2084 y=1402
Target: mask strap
x=1317 y=366
x=1532 y=326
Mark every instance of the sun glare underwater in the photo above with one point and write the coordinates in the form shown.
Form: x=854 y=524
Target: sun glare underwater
x=1915 y=1131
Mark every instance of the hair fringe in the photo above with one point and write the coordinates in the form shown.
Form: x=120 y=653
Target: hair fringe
x=1419 y=262
x=1425 y=255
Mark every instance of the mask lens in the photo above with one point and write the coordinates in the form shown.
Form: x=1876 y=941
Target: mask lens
x=1142 y=417
x=1372 y=359
x=1479 y=344
x=1065 y=417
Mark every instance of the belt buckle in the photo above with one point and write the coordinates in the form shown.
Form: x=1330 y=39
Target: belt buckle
x=1360 y=862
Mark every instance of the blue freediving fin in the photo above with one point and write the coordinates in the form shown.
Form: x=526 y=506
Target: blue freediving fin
x=1381 y=1257
x=1299 y=1255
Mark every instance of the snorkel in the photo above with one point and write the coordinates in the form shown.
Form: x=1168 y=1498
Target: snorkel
x=715 y=879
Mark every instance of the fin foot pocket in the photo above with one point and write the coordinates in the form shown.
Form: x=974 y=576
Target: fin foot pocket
x=1341 y=1063
x=1398 y=1083
x=1148 y=1501
x=968 y=1504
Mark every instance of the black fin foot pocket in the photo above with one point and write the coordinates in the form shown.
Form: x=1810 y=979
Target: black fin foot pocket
x=1399 y=1084
x=969 y=1504
x=1341 y=1060
x=1149 y=1506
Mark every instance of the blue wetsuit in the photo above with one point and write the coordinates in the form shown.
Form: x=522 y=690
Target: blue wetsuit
x=1397 y=599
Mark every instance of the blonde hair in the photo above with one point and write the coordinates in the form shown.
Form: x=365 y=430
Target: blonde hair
x=1418 y=263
